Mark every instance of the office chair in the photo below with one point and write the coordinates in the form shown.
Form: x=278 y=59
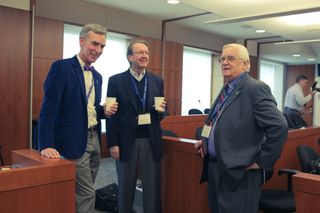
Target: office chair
x=276 y=200
x=306 y=154
x=206 y=110
x=166 y=132
x=289 y=121
x=194 y=112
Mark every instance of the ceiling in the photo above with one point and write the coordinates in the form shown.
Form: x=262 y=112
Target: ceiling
x=238 y=19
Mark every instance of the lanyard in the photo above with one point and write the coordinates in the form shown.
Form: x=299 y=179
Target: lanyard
x=90 y=89
x=218 y=108
x=144 y=97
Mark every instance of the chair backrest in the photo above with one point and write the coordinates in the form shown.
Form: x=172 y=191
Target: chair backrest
x=198 y=133
x=306 y=154
x=166 y=132
x=194 y=111
x=206 y=110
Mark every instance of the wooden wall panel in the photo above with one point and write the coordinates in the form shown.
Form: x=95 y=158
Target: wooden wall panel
x=48 y=47
x=308 y=70
x=253 y=67
x=173 y=76
x=14 y=80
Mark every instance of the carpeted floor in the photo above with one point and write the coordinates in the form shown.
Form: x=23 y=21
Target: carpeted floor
x=106 y=175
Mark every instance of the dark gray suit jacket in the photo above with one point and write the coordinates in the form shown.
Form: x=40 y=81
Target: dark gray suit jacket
x=249 y=129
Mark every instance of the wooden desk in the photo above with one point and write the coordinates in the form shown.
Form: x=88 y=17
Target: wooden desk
x=307 y=192
x=181 y=170
x=37 y=184
x=289 y=157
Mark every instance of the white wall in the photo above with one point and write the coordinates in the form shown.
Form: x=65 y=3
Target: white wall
x=316 y=106
x=18 y=4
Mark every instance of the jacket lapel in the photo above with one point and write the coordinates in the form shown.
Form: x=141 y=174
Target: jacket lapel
x=78 y=71
x=127 y=84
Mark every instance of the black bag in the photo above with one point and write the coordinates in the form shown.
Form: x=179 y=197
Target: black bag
x=107 y=198
x=315 y=166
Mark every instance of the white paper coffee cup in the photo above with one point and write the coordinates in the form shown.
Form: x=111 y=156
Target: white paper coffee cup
x=157 y=103
x=110 y=101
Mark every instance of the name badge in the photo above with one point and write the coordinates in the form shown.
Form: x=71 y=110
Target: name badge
x=144 y=119
x=206 y=131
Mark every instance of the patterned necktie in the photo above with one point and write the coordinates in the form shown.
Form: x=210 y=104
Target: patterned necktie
x=218 y=108
x=88 y=68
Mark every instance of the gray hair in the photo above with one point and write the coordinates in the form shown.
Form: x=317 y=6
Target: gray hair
x=132 y=43
x=242 y=52
x=96 y=28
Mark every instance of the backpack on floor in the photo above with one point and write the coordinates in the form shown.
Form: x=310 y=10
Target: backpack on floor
x=107 y=198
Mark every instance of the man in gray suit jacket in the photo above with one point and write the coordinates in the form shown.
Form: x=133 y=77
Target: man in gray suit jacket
x=243 y=134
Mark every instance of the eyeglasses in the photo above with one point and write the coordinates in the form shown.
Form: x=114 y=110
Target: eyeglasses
x=141 y=53
x=228 y=58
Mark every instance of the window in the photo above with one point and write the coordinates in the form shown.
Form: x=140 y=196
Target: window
x=112 y=61
x=196 y=79
x=272 y=74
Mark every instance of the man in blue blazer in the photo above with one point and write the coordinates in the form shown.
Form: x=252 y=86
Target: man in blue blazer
x=243 y=134
x=134 y=133
x=69 y=122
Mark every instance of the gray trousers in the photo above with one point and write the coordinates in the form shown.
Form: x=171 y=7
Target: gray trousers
x=87 y=169
x=150 y=176
x=225 y=199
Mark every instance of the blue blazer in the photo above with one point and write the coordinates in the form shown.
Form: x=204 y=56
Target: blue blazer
x=121 y=127
x=63 y=121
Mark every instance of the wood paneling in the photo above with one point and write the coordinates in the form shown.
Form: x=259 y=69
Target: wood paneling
x=49 y=183
x=14 y=80
x=48 y=47
x=180 y=178
x=48 y=38
x=307 y=192
x=253 y=67
x=289 y=158
x=183 y=126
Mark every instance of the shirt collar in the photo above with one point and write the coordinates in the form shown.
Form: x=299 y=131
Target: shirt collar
x=82 y=64
x=136 y=75
x=235 y=81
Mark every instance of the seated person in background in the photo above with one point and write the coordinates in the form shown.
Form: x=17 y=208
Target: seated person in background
x=295 y=102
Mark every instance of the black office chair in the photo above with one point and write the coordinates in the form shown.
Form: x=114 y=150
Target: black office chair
x=194 y=112
x=206 y=111
x=198 y=133
x=278 y=201
x=166 y=132
x=306 y=154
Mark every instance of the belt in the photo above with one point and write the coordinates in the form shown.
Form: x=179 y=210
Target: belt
x=290 y=109
x=93 y=128
x=212 y=158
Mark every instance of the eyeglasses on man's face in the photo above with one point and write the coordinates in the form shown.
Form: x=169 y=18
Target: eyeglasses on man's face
x=228 y=58
x=141 y=53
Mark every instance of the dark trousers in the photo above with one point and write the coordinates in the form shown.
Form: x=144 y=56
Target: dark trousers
x=294 y=118
x=226 y=199
x=150 y=176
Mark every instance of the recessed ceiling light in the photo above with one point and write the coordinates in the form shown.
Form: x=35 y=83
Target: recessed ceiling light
x=173 y=1
x=296 y=55
x=311 y=59
x=260 y=31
